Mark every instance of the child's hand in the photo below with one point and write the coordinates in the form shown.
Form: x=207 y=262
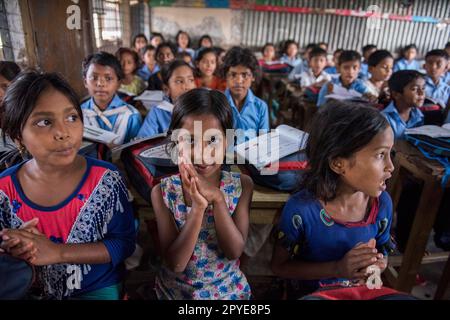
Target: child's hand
x=355 y=262
x=198 y=201
x=209 y=191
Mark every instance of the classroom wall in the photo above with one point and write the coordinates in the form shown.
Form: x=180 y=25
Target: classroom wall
x=16 y=33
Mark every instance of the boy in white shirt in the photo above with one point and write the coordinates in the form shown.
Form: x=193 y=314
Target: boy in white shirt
x=315 y=75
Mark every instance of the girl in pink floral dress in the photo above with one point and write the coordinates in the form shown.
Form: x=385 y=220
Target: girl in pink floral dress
x=202 y=213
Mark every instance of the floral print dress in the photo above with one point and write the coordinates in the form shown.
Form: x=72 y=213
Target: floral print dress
x=208 y=274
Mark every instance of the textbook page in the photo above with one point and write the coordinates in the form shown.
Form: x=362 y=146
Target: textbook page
x=99 y=135
x=158 y=152
x=431 y=131
x=150 y=98
x=341 y=93
x=138 y=140
x=271 y=147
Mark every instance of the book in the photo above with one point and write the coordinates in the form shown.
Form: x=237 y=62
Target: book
x=150 y=98
x=270 y=147
x=99 y=135
x=341 y=93
x=431 y=131
x=137 y=141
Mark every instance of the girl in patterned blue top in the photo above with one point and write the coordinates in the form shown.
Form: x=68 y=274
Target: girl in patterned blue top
x=338 y=225
x=202 y=213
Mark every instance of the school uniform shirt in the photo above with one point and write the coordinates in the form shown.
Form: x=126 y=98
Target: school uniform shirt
x=331 y=70
x=398 y=125
x=97 y=211
x=371 y=88
x=307 y=78
x=439 y=93
x=293 y=62
x=119 y=117
x=295 y=73
x=157 y=120
x=404 y=64
x=145 y=73
x=254 y=115
x=447 y=77
x=310 y=234
x=357 y=85
x=364 y=71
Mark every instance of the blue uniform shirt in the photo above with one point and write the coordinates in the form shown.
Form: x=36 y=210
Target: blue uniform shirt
x=403 y=64
x=397 y=124
x=157 y=121
x=439 y=93
x=357 y=85
x=291 y=61
x=145 y=73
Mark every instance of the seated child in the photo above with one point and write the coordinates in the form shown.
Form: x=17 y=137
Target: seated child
x=178 y=78
x=290 y=52
x=367 y=50
x=332 y=69
x=150 y=66
x=204 y=42
x=206 y=63
x=102 y=74
x=184 y=43
x=436 y=88
x=66 y=214
x=408 y=59
x=339 y=224
x=303 y=66
x=380 y=65
x=315 y=75
x=165 y=54
x=250 y=113
x=202 y=213
x=139 y=41
x=348 y=67
x=131 y=84
x=268 y=52
x=407 y=89
x=156 y=39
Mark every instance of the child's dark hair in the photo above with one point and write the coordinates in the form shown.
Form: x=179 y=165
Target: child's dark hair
x=23 y=94
x=408 y=47
x=157 y=34
x=169 y=45
x=139 y=35
x=437 y=53
x=339 y=50
x=178 y=36
x=168 y=69
x=240 y=56
x=349 y=55
x=287 y=44
x=447 y=45
x=133 y=53
x=378 y=56
x=203 y=37
x=268 y=44
x=310 y=46
x=148 y=47
x=368 y=47
x=9 y=70
x=338 y=130
x=203 y=52
x=400 y=79
x=201 y=101
x=317 y=52
x=181 y=55
x=104 y=59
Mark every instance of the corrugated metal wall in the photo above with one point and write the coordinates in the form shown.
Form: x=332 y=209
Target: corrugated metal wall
x=348 y=32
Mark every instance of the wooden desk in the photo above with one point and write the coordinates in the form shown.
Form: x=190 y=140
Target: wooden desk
x=409 y=159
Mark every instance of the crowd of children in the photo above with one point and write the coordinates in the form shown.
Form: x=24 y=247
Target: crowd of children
x=79 y=232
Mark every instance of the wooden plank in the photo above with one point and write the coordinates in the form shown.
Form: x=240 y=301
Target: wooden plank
x=396 y=261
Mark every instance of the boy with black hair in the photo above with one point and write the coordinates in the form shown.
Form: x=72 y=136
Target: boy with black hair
x=435 y=86
x=367 y=50
x=315 y=75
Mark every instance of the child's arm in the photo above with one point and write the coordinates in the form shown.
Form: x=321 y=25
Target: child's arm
x=232 y=231
x=134 y=124
x=177 y=246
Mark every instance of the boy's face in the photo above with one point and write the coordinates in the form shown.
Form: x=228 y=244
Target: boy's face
x=102 y=83
x=435 y=66
x=128 y=64
x=149 y=58
x=317 y=64
x=165 y=56
x=239 y=80
x=413 y=94
x=383 y=70
x=292 y=50
x=349 y=71
x=410 y=54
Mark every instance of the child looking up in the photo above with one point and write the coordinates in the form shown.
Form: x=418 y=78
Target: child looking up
x=206 y=64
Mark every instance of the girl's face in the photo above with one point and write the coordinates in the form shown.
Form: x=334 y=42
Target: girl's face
x=202 y=143
x=149 y=58
x=368 y=169
x=208 y=64
x=4 y=83
x=128 y=64
x=156 y=41
x=410 y=54
x=292 y=50
x=53 y=132
x=383 y=70
x=140 y=43
x=181 y=81
x=269 y=53
x=183 y=40
x=206 y=43
x=165 y=56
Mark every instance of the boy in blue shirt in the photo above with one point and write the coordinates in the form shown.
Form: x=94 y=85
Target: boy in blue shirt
x=102 y=74
x=435 y=87
x=408 y=62
x=408 y=95
x=250 y=113
x=150 y=66
x=349 y=65
x=367 y=50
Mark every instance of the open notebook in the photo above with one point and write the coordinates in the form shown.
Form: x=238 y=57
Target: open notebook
x=271 y=147
x=431 y=131
x=150 y=98
x=98 y=135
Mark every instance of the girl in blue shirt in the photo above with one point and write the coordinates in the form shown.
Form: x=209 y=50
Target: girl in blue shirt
x=338 y=225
